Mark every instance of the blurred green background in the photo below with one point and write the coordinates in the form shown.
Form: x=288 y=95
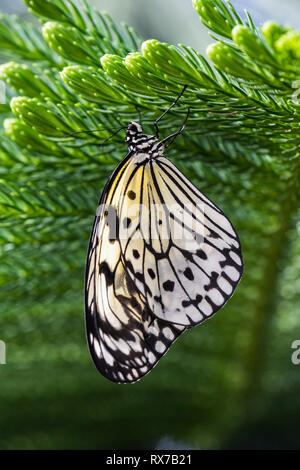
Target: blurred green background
x=175 y=21
x=229 y=383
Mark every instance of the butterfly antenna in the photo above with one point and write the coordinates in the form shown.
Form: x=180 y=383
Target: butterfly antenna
x=167 y=110
x=95 y=130
x=114 y=133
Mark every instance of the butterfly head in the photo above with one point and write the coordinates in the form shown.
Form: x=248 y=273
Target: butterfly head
x=133 y=129
x=137 y=141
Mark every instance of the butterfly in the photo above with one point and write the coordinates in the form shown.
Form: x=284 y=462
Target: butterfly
x=162 y=258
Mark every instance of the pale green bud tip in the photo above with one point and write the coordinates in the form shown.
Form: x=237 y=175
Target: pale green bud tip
x=149 y=45
x=273 y=31
x=9 y=125
x=213 y=50
x=49 y=27
x=289 y=43
x=108 y=59
x=6 y=68
x=271 y=27
x=16 y=102
x=67 y=70
x=239 y=31
x=197 y=4
x=131 y=58
x=133 y=55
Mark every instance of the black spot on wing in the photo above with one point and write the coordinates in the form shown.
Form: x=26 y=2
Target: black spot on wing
x=151 y=273
x=201 y=254
x=168 y=286
x=131 y=195
x=189 y=274
x=213 y=234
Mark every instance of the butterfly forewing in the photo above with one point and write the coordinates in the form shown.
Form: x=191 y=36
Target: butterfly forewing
x=125 y=339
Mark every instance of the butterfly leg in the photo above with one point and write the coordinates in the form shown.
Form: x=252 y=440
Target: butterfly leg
x=166 y=111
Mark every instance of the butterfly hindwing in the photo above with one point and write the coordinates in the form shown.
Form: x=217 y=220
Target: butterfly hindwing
x=186 y=257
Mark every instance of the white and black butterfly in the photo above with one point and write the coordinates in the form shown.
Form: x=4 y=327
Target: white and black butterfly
x=162 y=258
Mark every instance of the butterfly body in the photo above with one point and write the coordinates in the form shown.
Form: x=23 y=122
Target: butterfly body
x=162 y=258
